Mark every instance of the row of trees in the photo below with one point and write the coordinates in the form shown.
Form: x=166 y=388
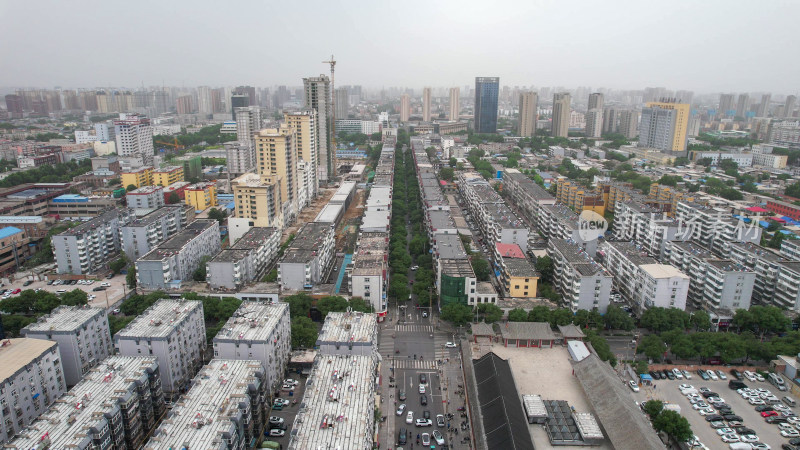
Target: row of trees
x=760 y=320
x=56 y=173
x=481 y=166
x=26 y=307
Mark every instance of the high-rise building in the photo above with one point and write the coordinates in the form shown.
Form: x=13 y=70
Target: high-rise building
x=342 y=103
x=629 y=123
x=684 y=96
x=455 y=107
x=14 y=106
x=405 y=107
x=664 y=126
x=610 y=116
x=304 y=124
x=249 y=91
x=317 y=97
x=204 y=104
x=528 y=104
x=788 y=107
x=239 y=101
x=561 y=106
x=487 y=90
x=763 y=108
x=426 y=104
x=258 y=201
x=742 y=105
x=184 y=104
x=134 y=136
x=725 y=105
x=241 y=157
x=594 y=116
x=276 y=158
x=248 y=122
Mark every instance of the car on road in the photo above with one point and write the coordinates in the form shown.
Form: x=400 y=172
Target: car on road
x=423 y=379
x=277 y=433
x=438 y=437
x=423 y=423
x=421 y=388
x=424 y=314
x=414 y=267
x=291 y=381
x=410 y=417
x=440 y=421
x=401 y=409
x=401 y=396
x=275 y=420
x=423 y=400
x=402 y=436
x=634 y=387
x=426 y=439
x=450 y=345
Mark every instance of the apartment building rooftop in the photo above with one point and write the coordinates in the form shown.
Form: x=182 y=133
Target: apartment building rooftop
x=101 y=219
x=254 y=238
x=694 y=248
x=229 y=255
x=252 y=321
x=307 y=243
x=518 y=267
x=662 y=271
x=351 y=326
x=486 y=193
x=563 y=214
x=168 y=169
x=791 y=265
x=204 y=413
x=640 y=207
x=576 y=257
x=726 y=265
x=632 y=252
x=457 y=268
x=18 y=353
x=368 y=264
x=449 y=246
x=177 y=242
x=160 y=319
x=370 y=242
x=338 y=408
x=503 y=216
x=64 y=318
x=441 y=219
x=155 y=216
x=67 y=422
x=509 y=250
x=761 y=252
x=250 y=180
x=145 y=190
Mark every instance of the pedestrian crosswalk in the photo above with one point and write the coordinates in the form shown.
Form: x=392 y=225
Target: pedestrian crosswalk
x=414 y=328
x=401 y=363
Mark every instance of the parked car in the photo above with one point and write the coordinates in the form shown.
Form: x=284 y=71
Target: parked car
x=438 y=437
x=703 y=374
x=276 y=433
x=721 y=375
x=27 y=283
x=291 y=381
x=678 y=373
x=401 y=395
x=634 y=387
x=687 y=375
x=769 y=413
x=276 y=420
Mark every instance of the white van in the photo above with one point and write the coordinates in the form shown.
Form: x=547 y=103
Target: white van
x=776 y=379
x=789 y=401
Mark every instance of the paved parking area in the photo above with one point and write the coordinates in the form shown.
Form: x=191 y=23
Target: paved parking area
x=103 y=299
x=667 y=391
x=289 y=412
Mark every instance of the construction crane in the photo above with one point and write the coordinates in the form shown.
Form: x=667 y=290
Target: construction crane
x=176 y=146
x=332 y=62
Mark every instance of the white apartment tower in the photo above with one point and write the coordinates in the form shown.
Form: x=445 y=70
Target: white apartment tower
x=82 y=335
x=561 y=110
x=134 y=137
x=241 y=157
x=317 y=97
x=405 y=107
x=174 y=331
x=594 y=116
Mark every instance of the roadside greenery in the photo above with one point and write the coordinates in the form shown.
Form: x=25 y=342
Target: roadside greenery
x=56 y=173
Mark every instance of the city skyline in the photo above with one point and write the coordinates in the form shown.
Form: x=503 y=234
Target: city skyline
x=160 y=49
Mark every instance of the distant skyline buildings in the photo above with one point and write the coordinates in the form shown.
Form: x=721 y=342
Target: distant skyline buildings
x=561 y=113
x=487 y=91
x=426 y=104
x=528 y=106
x=455 y=105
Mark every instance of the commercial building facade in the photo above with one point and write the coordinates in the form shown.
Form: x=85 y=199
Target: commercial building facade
x=487 y=91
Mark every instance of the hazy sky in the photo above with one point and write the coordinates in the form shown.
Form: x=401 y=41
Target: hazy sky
x=702 y=45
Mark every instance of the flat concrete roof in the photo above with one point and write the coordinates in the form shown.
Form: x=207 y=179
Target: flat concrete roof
x=253 y=322
x=160 y=319
x=64 y=318
x=18 y=353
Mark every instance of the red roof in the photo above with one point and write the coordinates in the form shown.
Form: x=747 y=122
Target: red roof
x=509 y=250
x=757 y=209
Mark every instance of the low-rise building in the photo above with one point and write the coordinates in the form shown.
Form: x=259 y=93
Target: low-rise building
x=82 y=335
x=15 y=249
x=116 y=405
x=167 y=175
x=258 y=331
x=245 y=261
x=143 y=176
x=178 y=257
x=369 y=272
x=456 y=282
x=338 y=409
x=174 y=331
x=179 y=189
x=146 y=197
x=582 y=282
x=309 y=257
x=224 y=408
x=201 y=195
x=349 y=333
x=32 y=378
x=143 y=234
x=517 y=273
x=88 y=247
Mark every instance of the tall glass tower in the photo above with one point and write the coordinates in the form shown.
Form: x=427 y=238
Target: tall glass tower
x=486 y=93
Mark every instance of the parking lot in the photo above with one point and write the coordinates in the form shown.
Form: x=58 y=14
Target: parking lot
x=288 y=412
x=107 y=298
x=668 y=391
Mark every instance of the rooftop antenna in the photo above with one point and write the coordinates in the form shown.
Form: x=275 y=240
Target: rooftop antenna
x=332 y=154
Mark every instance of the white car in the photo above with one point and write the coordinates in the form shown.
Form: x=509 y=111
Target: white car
x=700 y=405
x=276 y=433
x=712 y=375
x=426 y=439
x=762 y=391
x=759 y=377
x=421 y=388
x=794 y=420
x=749 y=375
x=438 y=437
x=760 y=446
x=790 y=433
x=729 y=438
x=414 y=267
x=726 y=430
x=715 y=400
x=755 y=401
x=291 y=381
x=685 y=387
x=785 y=427
x=678 y=373
x=410 y=417
x=687 y=375
x=423 y=423
x=450 y=345
x=721 y=375
x=749 y=438
x=634 y=387
x=105 y=284
x=706 y=411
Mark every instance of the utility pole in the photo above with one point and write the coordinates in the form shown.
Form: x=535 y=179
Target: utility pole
x=332 y=152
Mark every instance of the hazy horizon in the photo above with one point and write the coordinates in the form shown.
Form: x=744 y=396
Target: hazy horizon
x=708 y=47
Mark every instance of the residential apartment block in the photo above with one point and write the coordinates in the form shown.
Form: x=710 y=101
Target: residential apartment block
x=369 y=274
x=241 y=157
x=516 y=272
x=714 y=227
x=115 y=405
x=167 y=175
x=258 y=202
x=143 y=234
x=582 y=282
x=308 y=258
x=349 y=334
x=559 y=222
x=82 y=335
x=32 y=379
x=496 y=221
x=141 y=176
x=174 y=331
x=245 y=261
x=134 y=135
x=15 y=247
x=776 y=281
x=225 y=408
x=145 y=197
x=306 y=127
x=647 y=226
x=88 y=247
x=178 y=257
x=578 y=197
x=525 y=194
x=201 y=195
x=641 y=280
x=258 y=331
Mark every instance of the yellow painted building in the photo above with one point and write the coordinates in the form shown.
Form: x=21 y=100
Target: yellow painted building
x=258 y=199
x=616 y=191
x=681 y=123
x=520 y=277
x=276 y=158
x=168 y=175
x=668 y=195
x=142 y=176
x=578 y=197
x=201 y=195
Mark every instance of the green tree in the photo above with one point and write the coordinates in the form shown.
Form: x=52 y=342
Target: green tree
x=117 y=265
x=331 y=303
x=304 y=333
x=652 y=346
x=456 y=313
x=544 y=265
x=700 y=320
x=131 y=187
x=446 y=173
x=130 y=277
x=517 y=315
x=75 y=297
x=299 y=304
x=359 y=304
x=560 y=316
x=641 y=367
x=601 y=346
x=200 y=274
x=680 y=161
x=617 y=319
x=539 y=313
x=173 y=198
x=271 y=276
x=659 y=319
x=13 y=323
x=453 y=162
x=761 y=320
x=674 y=425
x=653 y=408
x=481 y=268
x=490 y=312
x=217 y=214
x=776 y=240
